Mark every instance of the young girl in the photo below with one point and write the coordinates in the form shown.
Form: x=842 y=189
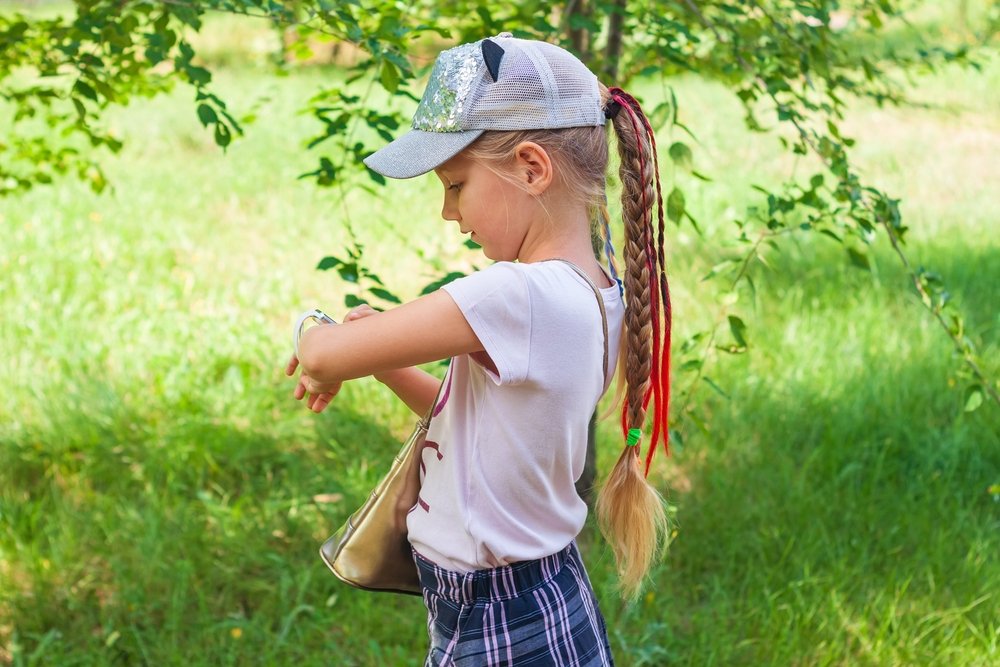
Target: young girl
x=515 y=131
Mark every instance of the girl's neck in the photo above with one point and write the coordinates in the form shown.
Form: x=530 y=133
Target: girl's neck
x=572 y=244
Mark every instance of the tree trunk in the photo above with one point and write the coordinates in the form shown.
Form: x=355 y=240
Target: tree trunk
x=580 y=38
x=616 y=20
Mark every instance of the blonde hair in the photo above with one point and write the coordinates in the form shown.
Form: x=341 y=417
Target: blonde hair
x=630 y=511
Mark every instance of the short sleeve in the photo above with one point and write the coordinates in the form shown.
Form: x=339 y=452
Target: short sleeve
x=497 y=305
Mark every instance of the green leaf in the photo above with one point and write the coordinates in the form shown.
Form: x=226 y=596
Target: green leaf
x=718 y=267
x=348 y=272
x=389 y=76
x=206 y=115
x=437 y=284
x=676 y=440
x=691 y=365
x=681 y=155
x=85 y=90
x=222 y=135
x=328 y=263
x=385 y=294
x=375 y=176
x=859 y=259
x=199 y=76
x=675 y=205
x=716 y=387
x=738 y=329
x=973 y=397
x=352 y=301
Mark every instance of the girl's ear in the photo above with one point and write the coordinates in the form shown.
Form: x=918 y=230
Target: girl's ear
x=534 y=167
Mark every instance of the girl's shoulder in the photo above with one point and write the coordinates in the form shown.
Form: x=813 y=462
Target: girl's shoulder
x=546 y=281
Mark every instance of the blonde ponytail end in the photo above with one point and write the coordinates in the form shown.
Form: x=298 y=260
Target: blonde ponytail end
x=632 y=516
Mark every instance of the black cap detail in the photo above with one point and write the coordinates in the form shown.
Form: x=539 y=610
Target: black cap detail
x=492 y=54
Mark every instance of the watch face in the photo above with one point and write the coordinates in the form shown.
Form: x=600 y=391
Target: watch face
x=324 y=317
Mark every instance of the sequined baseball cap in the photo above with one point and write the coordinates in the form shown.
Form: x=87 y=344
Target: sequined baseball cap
x=497 y=83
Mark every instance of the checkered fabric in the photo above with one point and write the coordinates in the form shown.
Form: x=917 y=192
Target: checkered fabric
x=529 y=614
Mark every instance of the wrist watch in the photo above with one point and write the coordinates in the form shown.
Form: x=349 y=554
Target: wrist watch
x=316 y=316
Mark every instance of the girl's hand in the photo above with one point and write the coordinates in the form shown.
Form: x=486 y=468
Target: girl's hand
x=320 y=394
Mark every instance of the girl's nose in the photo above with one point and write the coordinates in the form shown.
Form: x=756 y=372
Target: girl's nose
x=450 y=212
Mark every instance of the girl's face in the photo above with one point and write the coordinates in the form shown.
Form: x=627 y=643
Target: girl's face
x=495 y=211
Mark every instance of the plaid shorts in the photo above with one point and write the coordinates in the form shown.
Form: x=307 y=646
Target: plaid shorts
x=533 y=613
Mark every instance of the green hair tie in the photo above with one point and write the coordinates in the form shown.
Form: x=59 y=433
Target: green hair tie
x=634 y=434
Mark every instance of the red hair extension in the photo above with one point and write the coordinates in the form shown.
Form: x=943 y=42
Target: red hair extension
x=664 y=286
x=659 y=389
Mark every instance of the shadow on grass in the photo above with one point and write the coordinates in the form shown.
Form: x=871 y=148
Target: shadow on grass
x=838 y=512
x=130 y=539
x=842 y=520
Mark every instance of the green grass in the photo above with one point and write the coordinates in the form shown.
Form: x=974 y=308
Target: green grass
x=162 y=496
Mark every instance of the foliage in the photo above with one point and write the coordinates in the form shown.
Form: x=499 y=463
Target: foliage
x=793 y=65
x=162 y=496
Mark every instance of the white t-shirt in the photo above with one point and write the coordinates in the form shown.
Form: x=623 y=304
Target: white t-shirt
x=504 y=449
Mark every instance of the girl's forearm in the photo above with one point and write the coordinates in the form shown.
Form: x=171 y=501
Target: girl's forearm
x=422 y=331
x=414 y=387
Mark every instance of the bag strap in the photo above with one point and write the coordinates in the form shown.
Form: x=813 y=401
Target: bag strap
x=426 y=419
x=600 y=303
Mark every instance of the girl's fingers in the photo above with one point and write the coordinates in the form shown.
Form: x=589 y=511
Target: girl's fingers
x=317 y=399
x=356 y=313
x=322 y=401
x=293 y=363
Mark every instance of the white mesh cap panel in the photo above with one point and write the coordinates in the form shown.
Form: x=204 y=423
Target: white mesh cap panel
x=539 y=86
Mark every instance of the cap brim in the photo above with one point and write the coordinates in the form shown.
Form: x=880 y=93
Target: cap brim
x=417 y=152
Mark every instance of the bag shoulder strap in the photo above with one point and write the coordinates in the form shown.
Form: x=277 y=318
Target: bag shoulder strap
x=425 y=421
x=600 y=303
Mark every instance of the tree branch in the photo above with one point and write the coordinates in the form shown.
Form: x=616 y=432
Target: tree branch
x=865 y=203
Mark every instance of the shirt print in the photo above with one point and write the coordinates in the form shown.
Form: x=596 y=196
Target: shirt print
x=430 y=444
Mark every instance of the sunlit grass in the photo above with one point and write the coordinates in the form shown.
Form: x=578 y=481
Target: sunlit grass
x=162 y=496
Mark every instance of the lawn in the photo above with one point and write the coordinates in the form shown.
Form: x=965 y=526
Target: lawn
x=163 y=496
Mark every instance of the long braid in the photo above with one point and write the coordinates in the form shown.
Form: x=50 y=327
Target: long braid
x=636 y=177
x=630 y=511
x=662 y=361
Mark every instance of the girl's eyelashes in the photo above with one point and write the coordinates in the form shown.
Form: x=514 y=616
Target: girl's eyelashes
x=455 y=186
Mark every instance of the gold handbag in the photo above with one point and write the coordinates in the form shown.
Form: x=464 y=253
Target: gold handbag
x=370 y=550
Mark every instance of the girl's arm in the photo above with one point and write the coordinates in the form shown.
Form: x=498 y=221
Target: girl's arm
x=428 y=329
x=414 y=387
